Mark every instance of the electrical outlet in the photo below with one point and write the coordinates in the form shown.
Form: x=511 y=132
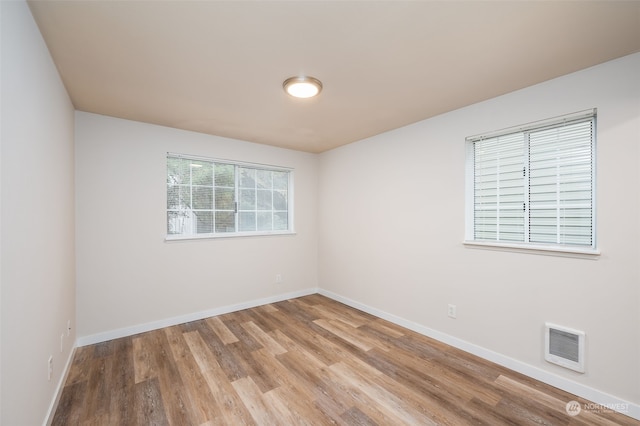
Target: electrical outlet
x=278 y=278
x=451 y=311
x=50 y=367
x=61 y=342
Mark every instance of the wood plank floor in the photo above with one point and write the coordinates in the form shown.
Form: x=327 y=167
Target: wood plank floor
x=305 y=361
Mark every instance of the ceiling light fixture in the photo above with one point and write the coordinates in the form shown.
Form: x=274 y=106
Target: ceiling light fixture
x=302 y=87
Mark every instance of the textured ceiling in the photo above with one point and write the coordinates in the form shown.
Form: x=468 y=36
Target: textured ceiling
x=217 y=67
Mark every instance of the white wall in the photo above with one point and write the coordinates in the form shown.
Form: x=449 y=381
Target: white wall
x=128 y=275
x=37 y=220
x=392 y=224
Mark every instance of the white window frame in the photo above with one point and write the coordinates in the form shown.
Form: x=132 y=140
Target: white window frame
x=526 y=246
x=237 y=210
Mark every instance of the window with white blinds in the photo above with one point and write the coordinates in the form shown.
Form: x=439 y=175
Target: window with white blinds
x=534 y=185
x=209 y=198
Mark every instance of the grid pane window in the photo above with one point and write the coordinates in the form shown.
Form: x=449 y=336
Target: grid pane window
x=208 y=197
x=263 y=199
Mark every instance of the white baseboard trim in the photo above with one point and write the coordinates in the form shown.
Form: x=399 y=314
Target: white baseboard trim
x=608 y=401
x=58 y=392
x=155 y=325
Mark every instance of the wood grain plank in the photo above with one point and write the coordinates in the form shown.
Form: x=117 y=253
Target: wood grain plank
x=80 y=366
x=223 y=355
x=346 y=333
x=416 y=387
x=305 y=338
x=445 y=403
x=331 y=313
x=263 y=319
x=296 y=312
x=225 y=335
x=554 y=408
x=149 y=409
x=252 y=399
x=243 y=336
x=349 y=394
x=342 y=309
x=387 y=328
x=354 y=416
x=232 y=408
x=268 y=308
x=290 y=409
x=203 y=357
x=263 y=338
x=271 y=368
x=198 y=397
x=143 y=359
x=97 y=391
x=306 y=361
x=392 y=404
x=71 y=405
x=121 y=407
x=171 y=386
x=256 y=371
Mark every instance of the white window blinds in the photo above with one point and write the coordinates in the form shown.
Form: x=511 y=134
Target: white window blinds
x=561 y=184
x=535 y=184
x=499 y=188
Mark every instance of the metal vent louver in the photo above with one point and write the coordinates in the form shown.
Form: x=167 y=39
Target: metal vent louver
x=564 y=346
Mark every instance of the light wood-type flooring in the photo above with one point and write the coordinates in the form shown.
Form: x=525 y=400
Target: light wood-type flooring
x=305 y=361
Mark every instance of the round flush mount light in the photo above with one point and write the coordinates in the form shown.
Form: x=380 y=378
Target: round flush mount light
x=302 y=87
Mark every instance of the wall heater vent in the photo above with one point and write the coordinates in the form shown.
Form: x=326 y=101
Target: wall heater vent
x=564 y=346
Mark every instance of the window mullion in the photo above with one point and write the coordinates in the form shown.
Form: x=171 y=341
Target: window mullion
x=214 y=211
x=559 y=227
x=255 y=191
x=194 y=224
x=273 y=207
x=236 y=196
x=527 y=187
x=498 y=205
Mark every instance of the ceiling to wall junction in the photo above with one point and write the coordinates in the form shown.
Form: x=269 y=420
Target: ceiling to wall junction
x=217 y=67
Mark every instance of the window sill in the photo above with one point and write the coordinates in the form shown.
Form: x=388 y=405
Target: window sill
x=535 y=249
x=170 y=238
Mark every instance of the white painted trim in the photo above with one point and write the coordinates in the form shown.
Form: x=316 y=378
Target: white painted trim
x=171 y=238
x=58 y=392
x=536 y=249
x=141 y=328
x=602 y=398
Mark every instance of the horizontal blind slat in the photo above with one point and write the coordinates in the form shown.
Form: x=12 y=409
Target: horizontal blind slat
x=498 y=188
x=561 y=184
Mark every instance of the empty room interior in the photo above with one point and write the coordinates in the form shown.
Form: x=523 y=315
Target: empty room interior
x=441 y=227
